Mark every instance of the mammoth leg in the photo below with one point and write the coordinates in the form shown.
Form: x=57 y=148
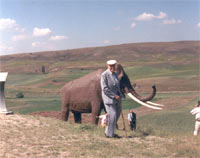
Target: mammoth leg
x=96 y=111
x=77 y=117
x=64 y=113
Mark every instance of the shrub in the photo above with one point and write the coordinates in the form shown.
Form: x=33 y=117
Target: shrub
x=43 y=69
x=19 y=95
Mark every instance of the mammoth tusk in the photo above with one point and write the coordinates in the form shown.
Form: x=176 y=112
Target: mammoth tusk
x=154 y=103
x=142 y=103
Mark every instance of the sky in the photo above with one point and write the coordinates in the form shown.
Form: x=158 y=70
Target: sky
x=46 y=25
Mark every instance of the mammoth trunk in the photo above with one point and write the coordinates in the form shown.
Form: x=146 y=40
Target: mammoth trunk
x=144 y=99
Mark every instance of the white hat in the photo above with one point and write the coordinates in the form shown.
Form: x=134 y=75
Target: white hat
x=111 y=62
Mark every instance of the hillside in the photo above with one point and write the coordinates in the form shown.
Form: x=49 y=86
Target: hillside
x=183 y=52
x=172 y=66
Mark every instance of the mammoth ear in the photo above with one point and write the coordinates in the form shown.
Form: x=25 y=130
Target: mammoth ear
x=120 y=71
x=120 y=76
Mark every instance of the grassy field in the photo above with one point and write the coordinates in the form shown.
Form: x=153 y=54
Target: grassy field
x=42 y=90
x=166 y=133
x=42 y=94
x=172 y=122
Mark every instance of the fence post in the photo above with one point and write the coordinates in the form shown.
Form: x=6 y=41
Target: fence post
x=3 y=109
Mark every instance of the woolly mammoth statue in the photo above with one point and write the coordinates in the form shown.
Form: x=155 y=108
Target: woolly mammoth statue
x=83 y=95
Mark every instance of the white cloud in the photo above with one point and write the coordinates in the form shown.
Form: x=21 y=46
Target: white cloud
x=56 y=38
x=145 y=17
x=133 y=25
x=117 y=28
x=171 y=21
x=5 y=48
x=162 y=15
x=7 y=23
x=38 y=32
x=19 y=37
x=18 y=29
x=198 y=25
x=106 y=42
x=36 y=44
x=148 y=16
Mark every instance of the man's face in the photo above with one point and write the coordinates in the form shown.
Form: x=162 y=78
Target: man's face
x=111 y=68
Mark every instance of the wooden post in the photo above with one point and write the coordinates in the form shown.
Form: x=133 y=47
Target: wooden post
x=3 y=109
x=124 y=124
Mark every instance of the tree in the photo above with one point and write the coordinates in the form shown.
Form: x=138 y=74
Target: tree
x=19 y=95
x=43 y=69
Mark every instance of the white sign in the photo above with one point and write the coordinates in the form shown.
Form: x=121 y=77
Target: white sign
x=3 y=76
x=3 y=109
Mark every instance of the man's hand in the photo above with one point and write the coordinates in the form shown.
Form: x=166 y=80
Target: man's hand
x=117 y=97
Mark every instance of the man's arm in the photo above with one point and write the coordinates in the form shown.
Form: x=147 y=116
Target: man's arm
x=119 y=91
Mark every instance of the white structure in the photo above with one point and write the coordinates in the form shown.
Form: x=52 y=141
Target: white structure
x=3 y=110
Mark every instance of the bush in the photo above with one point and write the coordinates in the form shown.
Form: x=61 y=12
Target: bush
x=19 y=95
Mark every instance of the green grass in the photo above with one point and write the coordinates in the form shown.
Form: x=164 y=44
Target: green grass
x=139 y=72
x=172 y=122
x=41 y=92
x=34 y=104
x=45 y=103
x=25 y=79
x=37 y=98
x=129 y=104
x=29 y=79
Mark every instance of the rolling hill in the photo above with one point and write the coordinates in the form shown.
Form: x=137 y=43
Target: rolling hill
x=172 y=66
x=182 y=52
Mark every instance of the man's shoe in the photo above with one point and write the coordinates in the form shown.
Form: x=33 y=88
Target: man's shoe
x=107 y=136
x=116 y=136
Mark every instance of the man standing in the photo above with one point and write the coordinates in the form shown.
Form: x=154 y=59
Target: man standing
x=196 y=112
x=111 y=97
x=132 y=120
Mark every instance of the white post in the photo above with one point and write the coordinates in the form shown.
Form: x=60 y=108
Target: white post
x=3 y=110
